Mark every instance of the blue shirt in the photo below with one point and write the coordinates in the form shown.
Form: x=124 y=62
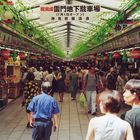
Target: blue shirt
x=43 y=106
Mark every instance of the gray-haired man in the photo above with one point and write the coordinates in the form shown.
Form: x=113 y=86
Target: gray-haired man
x=43 y=109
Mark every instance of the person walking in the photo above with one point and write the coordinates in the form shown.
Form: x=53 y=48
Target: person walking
x=121 y=81
x=111 y=79
x=61 y=83
x=89 y=88
x=73 y=84
x=24 y=72
x=67 y=79
x=43 y=114
x=109 y=126
x=39 y=76
x=30 y=90
x=54 y=81
x=132 y=98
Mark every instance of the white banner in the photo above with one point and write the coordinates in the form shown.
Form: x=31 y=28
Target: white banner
x=52 y=13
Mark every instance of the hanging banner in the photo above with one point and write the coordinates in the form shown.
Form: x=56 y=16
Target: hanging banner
x=52 y=13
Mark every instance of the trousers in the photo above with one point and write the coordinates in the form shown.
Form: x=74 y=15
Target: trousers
x=42 y=130
x=91 y=100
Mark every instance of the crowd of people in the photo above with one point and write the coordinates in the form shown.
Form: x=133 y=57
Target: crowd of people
x=105 y=87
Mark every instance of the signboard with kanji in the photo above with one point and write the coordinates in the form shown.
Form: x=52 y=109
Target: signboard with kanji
x=50 y=13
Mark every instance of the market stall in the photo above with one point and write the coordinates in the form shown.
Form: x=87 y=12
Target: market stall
x=3 y=85
x=13 y=75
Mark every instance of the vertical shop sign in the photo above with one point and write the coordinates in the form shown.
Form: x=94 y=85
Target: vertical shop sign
x=4 y=37
x=134 y=38
x=123 y=41
x=10 y=39
x=7 y=39
x=1 y=37
x=14 y=41
x=110 y=46
x=52 y=13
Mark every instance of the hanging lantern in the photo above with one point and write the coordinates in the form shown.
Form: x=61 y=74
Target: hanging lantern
x=9 y=2
x=32 y=57
x=116 y=55
x=39 y=57
x=8 y=21
x=22 y=56
x=124 y=56
x=6 y=54
x=135 y=54
x=44 y=57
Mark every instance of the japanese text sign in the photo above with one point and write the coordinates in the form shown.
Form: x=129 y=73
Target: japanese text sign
x=50 y=13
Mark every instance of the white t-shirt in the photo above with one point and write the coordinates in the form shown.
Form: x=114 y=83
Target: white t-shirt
x=38 y=75
x=49 y=78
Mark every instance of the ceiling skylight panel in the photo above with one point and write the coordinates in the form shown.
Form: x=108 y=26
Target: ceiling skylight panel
x=60 y=32
x=53 y=24
x=24 y=2
x=108 y=3
x=59 y=28
x=35 y=2
x=79 y=29
x=81 y=24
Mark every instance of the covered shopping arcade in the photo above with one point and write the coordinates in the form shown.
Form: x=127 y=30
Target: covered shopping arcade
x=51 y=32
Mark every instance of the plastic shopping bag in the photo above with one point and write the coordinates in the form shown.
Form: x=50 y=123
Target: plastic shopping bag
x=82 y=100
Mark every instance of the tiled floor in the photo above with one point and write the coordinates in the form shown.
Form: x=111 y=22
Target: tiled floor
x=73 y=122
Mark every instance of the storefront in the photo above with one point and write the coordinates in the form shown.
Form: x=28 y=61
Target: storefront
x=13 y=75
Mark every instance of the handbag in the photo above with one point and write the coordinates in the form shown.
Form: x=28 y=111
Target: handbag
x=82 y=100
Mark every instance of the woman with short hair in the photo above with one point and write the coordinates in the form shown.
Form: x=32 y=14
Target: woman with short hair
x=109 y=126
x=30 y=90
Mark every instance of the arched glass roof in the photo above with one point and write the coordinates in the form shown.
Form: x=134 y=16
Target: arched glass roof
x=69 y=34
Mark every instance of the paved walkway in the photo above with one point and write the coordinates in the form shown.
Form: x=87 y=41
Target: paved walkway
x=73 y=122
